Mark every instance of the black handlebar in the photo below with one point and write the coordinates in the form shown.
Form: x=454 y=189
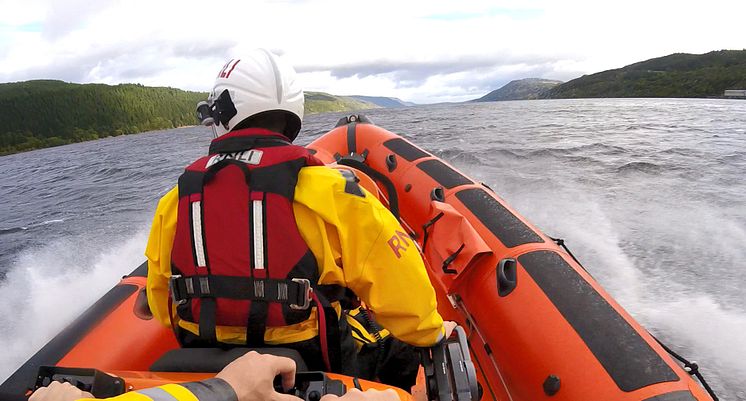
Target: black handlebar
x=449 y=372
x=311 y=386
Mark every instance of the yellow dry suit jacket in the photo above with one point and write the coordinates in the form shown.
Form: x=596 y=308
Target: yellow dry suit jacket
x=168 y=392
x=358 y=244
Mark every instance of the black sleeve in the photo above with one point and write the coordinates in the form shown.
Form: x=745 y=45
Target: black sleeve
x=211 y=390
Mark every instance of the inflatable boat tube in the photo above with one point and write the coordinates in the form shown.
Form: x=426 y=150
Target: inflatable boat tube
x=538 y=326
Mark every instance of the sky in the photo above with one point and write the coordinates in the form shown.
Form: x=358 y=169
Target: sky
x=420 y=51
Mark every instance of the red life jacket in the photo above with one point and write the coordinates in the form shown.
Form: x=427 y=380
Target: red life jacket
x=238 y=258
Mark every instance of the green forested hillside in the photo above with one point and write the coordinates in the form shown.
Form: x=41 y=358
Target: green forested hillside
x=43 y=113
x=319 y=102
x=675 y=75
x=36 y=114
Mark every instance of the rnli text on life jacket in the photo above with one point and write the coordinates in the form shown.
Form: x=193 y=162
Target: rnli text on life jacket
x=250 y=156
x=398 y=242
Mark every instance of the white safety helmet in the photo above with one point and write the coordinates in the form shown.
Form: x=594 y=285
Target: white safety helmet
x=257 y=83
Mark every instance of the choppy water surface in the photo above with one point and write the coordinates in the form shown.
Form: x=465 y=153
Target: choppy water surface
x=649 y=194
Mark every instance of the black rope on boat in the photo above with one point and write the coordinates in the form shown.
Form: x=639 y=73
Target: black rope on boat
x=690 y=367
x=561 y=242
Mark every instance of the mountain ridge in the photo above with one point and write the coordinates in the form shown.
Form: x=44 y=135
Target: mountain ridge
x=383 y=101
x=520 y=89
x=680 y=75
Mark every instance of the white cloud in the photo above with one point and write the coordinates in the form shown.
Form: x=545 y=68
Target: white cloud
x=422 y=51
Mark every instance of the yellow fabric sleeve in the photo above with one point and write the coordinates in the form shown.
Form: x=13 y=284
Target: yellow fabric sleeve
x=360 y=244
x=177 y=392
x=158 y=252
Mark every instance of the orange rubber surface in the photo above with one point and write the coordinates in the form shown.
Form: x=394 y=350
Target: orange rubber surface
x=521 y=339
x=521 y=342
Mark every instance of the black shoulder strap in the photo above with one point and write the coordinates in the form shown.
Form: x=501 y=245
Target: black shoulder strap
x=240 y=143
x=278 y=178
x=257 y=323
x=378 y=176
x=207 y=317
x=215 y=168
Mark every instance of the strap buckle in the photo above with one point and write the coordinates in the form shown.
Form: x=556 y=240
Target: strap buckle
x=305 y=293
x=173 y=288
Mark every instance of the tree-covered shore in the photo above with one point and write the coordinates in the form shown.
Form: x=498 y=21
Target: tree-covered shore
x=44 y=113
x=677 y=75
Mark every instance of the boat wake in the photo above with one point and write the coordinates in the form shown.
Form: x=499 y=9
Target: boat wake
x=702 y=330
x=49 y=287
x=697 y=325
x=648 y=279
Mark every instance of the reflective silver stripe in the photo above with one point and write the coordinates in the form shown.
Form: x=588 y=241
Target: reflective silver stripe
x=189 y=285
x=204 y=285
x=211 y=390
x=199 y=247
x=258 y=219
x=157 y=394
x=259 y=289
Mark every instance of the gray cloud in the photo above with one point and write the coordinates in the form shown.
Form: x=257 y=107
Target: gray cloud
x=479 y=74
x=414 y=73
x=72 y=68
x=216 y=49
x=66 y=16
x=486 y=80
x=136 y=59
x=125 y=62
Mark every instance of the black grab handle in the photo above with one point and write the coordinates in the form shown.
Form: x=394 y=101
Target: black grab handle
x=507 y=278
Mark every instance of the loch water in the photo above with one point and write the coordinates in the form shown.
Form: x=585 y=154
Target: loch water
x=649 y=194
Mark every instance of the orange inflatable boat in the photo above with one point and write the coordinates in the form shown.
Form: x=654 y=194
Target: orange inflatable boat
x=538 y=326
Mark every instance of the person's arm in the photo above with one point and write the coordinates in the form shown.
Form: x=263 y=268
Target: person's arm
x=365 y=248
x=248 y=378
x=252 y=377
x=392 y=280
x=158 y=252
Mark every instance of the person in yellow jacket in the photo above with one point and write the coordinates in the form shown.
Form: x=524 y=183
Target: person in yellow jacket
x=348 y=232
x=248 y=378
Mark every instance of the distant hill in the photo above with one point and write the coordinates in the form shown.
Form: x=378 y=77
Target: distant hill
x=319 y=102
x=44 y=113
x=390 y=102
x=520 y=89
x=675 y=75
